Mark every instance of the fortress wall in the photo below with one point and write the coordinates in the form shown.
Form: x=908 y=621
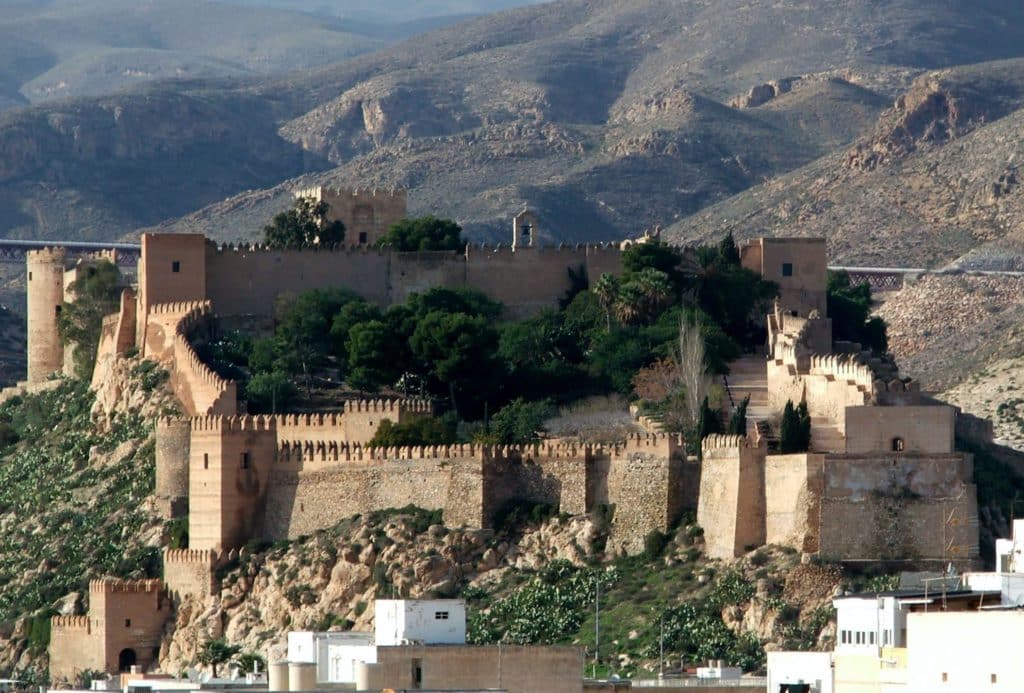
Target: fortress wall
x=189 y=572
x=230 y=461
x=560 y=478
x=641 y=486
x=925 y=429
x=117 y=336
x=412 y=273
x=732 y=504
x=301 y=502
x=899 y=506
x=73 y=648
x=793 y=487
x=199 y=390
x=248 y=281
x=603 y=259
x=525 y=280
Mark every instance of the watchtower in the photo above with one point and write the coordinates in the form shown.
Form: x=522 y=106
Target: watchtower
x=45 y=294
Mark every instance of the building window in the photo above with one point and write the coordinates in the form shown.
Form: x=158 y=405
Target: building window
x=993 y=678
x=787 y=269
x=417 y=673
x=175 y=266
x=362 y=238
x=898 y=445
x=945 y=677
x=30 y=276
x=127 y=623
x=871 y=637
x=245 y=460
x=440 y=615
x=206 y=460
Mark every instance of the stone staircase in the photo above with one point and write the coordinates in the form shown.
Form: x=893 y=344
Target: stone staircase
x=826 y=436
x=748 y=376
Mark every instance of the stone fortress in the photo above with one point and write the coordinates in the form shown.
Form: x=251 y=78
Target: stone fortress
x=882 y=479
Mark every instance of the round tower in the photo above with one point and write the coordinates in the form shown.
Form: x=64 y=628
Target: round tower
x=45 y=293
x=173 y=444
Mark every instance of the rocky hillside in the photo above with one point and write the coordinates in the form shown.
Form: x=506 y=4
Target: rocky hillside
x=934 y=182
x=76 y=476
x=606 y=116
x=533 y=583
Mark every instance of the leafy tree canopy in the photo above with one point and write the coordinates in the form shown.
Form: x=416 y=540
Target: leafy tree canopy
x=849 y=306
x=420 y=431
x=96 y=294
x=305 y=225
x=519 y=422
x=423 y=233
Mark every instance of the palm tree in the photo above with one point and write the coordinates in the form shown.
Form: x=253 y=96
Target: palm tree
x=656 y=289
x=607 y=291
x=630 y=308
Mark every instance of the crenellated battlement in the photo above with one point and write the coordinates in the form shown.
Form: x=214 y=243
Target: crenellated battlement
x=80 y=623
x=344 y=249
x=117 y=586
x=191 y=556
x=182 y=307
x=717 y=441
x=48 y=255
x=322 y=192
x=389 y=406
x=237 y=424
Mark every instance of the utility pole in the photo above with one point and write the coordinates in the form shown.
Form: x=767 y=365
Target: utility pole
x=661 y=650
x=597 y=623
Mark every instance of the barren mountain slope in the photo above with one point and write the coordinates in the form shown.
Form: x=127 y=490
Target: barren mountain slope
x=935 y=179
x=608 y=113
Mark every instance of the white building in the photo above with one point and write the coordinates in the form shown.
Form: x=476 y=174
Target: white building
x=965 y=652
x=334 y=653
x=789 y=672
x=430 y=622
x=397 y=622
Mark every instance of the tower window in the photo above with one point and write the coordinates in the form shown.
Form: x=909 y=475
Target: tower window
x=245 y=460
x=206 y=460
x=127 y=623
x=30 y=276
x=362 y=238
x=898 y=445
x=175 y=266
x=787 y=269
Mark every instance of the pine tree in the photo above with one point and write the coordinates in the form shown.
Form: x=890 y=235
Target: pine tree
x=728 y=250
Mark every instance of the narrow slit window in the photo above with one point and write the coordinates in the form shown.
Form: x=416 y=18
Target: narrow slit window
x=787 y=269
x=245 y=460
x=176 y=266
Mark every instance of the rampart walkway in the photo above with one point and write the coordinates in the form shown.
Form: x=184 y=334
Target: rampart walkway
x=13 y=251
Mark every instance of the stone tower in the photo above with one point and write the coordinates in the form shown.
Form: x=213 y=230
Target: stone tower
x=45 y=293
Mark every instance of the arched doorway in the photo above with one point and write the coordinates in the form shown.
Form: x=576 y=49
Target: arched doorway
x=126 y=660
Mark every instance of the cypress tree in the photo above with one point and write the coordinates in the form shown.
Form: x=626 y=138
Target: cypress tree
x=738 y=421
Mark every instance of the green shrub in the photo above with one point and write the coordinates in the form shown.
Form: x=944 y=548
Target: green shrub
x=654 y=544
